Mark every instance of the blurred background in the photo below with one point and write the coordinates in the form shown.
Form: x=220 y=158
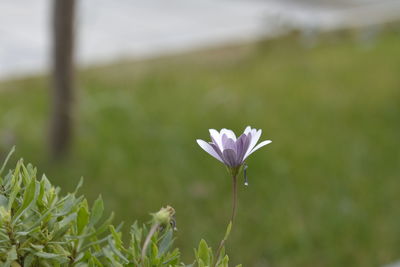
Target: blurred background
x=118 y=91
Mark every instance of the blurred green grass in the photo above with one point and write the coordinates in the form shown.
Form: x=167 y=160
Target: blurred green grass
x=324 y=193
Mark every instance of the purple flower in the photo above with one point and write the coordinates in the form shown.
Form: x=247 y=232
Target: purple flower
x=230 y=150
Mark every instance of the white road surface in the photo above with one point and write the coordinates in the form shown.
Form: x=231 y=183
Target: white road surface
x=111 y=30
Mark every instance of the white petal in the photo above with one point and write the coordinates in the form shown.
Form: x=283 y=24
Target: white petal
x=260 y=145
x=229 y=133
x=247 y=130
x=217 y=137
x=208 y=148
x=255 y=136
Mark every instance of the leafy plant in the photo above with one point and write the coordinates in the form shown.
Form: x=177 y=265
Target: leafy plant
x=39 y=227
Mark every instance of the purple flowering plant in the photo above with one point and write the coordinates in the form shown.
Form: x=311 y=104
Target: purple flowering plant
x=232 y=152
x=41 y=227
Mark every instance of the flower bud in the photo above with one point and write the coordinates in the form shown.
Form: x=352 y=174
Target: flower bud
x=164 y=216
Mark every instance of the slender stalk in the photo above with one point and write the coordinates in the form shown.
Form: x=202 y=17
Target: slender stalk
x=234 y=197
x=233 y=214
x=152 y=231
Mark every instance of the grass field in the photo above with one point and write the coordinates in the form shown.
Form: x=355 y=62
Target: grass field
x=326 y=192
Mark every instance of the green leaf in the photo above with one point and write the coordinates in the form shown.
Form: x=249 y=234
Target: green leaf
x=67 y=220
x=201 y=263
x=64 y=226
x=104 y=226
x=80 y=183
x=46 y=183
x=89 y=261
x=46 y=255
x=136 y=233
x=69 y=203
x=15 y=185
x=3 y=201
x=172 y=258
x=95 y=243
x=228 y=230
x=221 y=255
x=107 y=253
x=28 y=260
x=97 y=211
x=101 y=229
x=26 y=177
x=11 y=256
x=165 y=243
x=7 y=159
x=83 y=217
x=115 y=235
x=116 y=250
x=29 y=232
x=154 y=252
x=203 y=252
x=224 y=262
x=29 y=198
x=37 y=247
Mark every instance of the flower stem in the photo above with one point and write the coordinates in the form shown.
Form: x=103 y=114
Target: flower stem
x=234 y=197
x=233 y=214
x=152 y=231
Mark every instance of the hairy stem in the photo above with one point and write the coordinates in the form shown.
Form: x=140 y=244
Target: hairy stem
x=233 y=214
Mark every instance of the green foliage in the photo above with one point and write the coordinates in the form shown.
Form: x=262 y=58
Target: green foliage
x=39 y=227
x=325 y=193
x=205 y=257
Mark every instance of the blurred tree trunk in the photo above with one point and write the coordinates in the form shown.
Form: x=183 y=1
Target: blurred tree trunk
x=62 y=76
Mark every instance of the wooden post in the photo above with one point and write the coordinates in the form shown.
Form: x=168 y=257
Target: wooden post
x=62 y=76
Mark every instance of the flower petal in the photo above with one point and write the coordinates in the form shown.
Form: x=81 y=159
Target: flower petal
x=228 y=143
x=239 y=145
x=242 y=145
x=260 y=145
x=247 y=130
x=217 y=150
x=255 y=136
x=228 y=133
x=230 y=157
x=209 y=149
x=216 y=138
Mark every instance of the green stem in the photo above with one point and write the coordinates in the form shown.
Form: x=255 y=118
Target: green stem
x=152 y=231
x=233 y=214
x=234 y=198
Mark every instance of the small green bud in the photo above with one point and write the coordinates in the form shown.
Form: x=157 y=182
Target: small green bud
x=164 y=216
